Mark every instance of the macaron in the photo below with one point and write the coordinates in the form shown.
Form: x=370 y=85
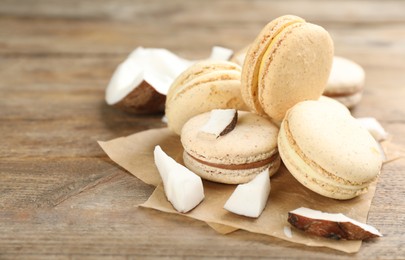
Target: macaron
x=346 y=82
x=340 y=108
x=328 y=151
x=288 y=62
x=206 y=85
x=236 y=157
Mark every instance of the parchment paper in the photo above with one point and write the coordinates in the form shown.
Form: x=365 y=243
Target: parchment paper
x=135 y=154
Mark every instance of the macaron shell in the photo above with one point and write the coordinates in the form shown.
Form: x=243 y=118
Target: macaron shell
x=198 y=69
x=203 y=98
x=346 y=77
x=314 y=179
x=346 y=82
x=328 y=151
x=331 y=102
x=204 y=86
x=206 y=77
x=295 y=68
x=253 y=139
x=339 y=139
x=349 y=100
x=252 y=62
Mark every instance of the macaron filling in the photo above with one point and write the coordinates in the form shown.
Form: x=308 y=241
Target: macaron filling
x=242 y=166
x=277 y=39
x=254 y=56
x=342 y=94
x=198 y=72
x=267 y=58
x=213 y=76
x=316 y=166
x=228 y=176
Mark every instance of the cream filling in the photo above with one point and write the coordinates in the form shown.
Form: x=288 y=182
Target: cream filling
x=258 y=69
x=276 y=39
x=242 y=166
x=235 y=157
x=311 y=174
x=226 y=175
x=342 y=94
x=184 y=80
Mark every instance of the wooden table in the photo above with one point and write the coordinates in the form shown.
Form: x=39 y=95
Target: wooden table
x=61 y=197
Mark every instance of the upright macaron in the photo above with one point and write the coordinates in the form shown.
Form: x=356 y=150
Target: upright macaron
x=327 y=150
x=288 y=62
x=346 y=82
x=233 y=158
x=206 y=85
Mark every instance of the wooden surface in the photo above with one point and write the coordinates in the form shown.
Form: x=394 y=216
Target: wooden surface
x=61 y=197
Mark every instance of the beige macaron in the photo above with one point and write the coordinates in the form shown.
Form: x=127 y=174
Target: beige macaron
x=288 y=62
x=206 y=85
x=346 y=82
x=327 y=150
x=340 y=108
x=233 y=158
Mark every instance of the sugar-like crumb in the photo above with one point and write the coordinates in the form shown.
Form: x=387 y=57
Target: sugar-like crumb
x=287 y=231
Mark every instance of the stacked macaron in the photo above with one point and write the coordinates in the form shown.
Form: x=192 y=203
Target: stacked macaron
x=346 y=81
x=206 y=85
x=237 y=156
x=284 y=74
x=289 y=61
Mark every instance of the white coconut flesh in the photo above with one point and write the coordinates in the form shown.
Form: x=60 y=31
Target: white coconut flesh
x=333 y=217
x=219 y=121
x=158 y=67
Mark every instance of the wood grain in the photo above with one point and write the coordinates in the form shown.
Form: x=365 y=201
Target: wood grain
x=62 y=198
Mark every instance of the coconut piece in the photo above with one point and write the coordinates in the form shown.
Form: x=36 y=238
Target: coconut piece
x=220 y=53
x=140 y=83
x=374 y=127
x=287 y=231
x=239 y=56
x=249 y=199
x=143 y=99
x=330 y=225
x=220 y=122
x=183 y=188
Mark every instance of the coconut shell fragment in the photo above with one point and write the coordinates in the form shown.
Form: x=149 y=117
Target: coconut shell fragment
x=334 y=226
x=144 y=99
x=231 y=125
